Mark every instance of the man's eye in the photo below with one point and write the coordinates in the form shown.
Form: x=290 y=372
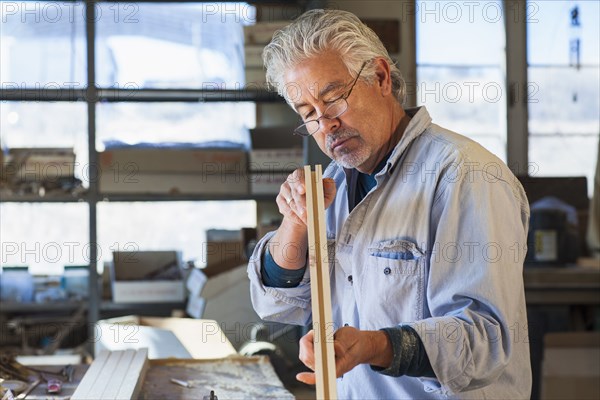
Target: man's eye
x=333 y=100
x=308 y=115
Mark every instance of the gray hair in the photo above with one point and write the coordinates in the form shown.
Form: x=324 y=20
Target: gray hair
x=317 y=31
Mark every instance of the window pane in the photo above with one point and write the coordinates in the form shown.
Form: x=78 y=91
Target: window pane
x=564 y=87
x=460 y=69
x=185 y=45
x=465 y=99
x=174 y=122
x=171 y=226
x=564 y=100
x=45 y=237
x=460 y=33
x=551 y=28
x=42 y=44
x=37 y=124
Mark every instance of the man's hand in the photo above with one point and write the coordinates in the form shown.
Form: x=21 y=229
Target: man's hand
x=352 y=347
x=289 y=245
x=291 y=199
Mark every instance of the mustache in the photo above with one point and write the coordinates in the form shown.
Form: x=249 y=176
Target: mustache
x=340 y=135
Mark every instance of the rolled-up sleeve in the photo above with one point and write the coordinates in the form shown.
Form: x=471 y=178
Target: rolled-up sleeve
x=474 y=285
x=285 y=305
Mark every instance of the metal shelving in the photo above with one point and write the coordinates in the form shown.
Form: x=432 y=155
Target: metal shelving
x=62 y=198
x=91 y=95
x=108 y=197
x=95 y=95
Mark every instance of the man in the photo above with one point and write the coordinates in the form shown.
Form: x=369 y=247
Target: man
x=425 y=230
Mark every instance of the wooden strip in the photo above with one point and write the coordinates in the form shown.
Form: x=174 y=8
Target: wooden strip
x=90 y=377
x=314 y=286
x=320 y=286
x=105 y=378
x=132 y=383
x=114 y=375
x=118 y=375
x=328 y=328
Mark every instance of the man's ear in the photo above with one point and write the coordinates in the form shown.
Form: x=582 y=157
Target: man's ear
x=383 y=75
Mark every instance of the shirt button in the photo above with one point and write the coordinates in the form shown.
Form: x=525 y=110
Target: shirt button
x=387 y=270
x=350 y=278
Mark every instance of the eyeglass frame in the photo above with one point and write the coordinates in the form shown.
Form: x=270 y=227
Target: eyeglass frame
x=343 y=97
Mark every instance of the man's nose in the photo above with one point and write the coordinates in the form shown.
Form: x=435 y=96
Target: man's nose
x=329 y=125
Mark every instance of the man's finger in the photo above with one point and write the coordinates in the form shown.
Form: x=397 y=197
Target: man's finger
x=329 y=191
x=340 y=351
x=306 y=377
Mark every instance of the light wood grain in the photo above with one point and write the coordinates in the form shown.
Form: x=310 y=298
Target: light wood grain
x=90 y=377
x=320 y=285
x=114 y=375
x=132 y=383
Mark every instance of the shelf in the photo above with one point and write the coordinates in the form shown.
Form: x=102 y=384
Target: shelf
x=51 y=198
x=108 y=305
x=135 y=197
x=184 y=197
x=12 y=307
x=91 y=95
x=251 y=94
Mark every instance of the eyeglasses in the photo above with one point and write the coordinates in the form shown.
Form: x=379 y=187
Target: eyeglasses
x=334 y=109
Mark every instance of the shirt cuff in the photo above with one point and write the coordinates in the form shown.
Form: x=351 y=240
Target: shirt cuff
x=409 y=356
x=275 y=276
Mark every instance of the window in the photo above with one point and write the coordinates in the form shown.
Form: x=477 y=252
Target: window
x=175 y=47
x=45 y=124
x=460 y=68
x=563 y=54
x=171 y=225
x=44 y=237
x=170 y=45
x=173 y=122
x=42 y=45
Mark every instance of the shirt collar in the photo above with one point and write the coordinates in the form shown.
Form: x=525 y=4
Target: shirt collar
x=419 y=122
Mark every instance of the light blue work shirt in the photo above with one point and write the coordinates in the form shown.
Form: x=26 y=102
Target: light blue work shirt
x=438 y=244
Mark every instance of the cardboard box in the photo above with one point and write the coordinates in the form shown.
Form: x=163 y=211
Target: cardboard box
x=226 y=249
x=140 y=161
x=195 y=283
x=40 y=164
x=256 y=77
x=195 y=307
x=174 y=171
x=262 y=32
x=253 y=56
x=267 y=182
x=173 y=184
x=571 y=366
x=164 y=337
x=146 y=277
x=275 y=149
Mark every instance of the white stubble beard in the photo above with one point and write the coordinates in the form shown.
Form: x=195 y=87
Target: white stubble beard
x=351 y=158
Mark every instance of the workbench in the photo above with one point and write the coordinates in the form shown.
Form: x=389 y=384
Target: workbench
x=232 y=377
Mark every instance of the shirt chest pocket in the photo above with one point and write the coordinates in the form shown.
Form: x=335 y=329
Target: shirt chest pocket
x=391 y=284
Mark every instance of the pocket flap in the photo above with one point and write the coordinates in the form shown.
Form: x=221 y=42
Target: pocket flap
x=396 y=249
